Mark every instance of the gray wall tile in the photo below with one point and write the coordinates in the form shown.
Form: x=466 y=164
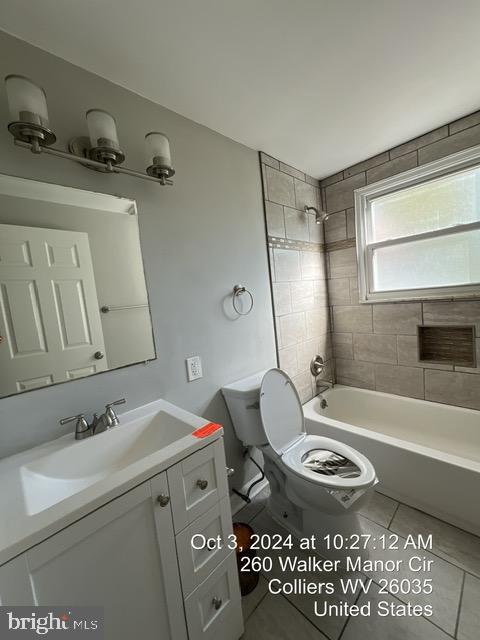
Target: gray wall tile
x=280 y=188
x=351 y=223
x=391 y=168
x=354 y=297
x=313 y=265
x=336 y=177
x=459 y=312
x=336 y=227
x=303 y=384
x=313 y=181
x=275 y=221
x=296 y=224
x=281 y=298
x=305 y=195
x=302 y=297
x=306 y=351
x=343 y=345
x=316 y=322
x=286 y=168
x=472 y=369
x=375 y=348
x=292 y=329
x=315 y=230
x=366 y=164
x=465 y=123
x=340 y=195
x=354 y=373
x=401 y=318
x=462 y=389
x=269 y=161
x=422 y=141
x=287 y=359
x=353 y=319
x=287 y=265
x=343 y=263
x=452 y=144
x=402 y=381
x=339 y=291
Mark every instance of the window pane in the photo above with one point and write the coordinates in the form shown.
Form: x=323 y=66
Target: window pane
x=440 y=203
x=436 y=262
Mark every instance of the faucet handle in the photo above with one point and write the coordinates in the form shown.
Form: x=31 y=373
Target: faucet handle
x=112 y=404
x=81 y=425
x=110 y=412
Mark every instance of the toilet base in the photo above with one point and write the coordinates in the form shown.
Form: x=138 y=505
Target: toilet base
x=306 y=523
x=303 y=522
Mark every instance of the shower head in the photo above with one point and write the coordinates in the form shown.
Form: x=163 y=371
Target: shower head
x=320 y=216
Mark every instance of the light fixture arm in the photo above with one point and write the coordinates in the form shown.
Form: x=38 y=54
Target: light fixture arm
x=107 y=167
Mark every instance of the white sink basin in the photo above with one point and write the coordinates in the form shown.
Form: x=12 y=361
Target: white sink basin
x=49 y=479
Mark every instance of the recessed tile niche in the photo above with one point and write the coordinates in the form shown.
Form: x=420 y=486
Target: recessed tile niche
x=447 y=345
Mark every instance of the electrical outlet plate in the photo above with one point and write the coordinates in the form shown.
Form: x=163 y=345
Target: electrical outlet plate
x=194 y=368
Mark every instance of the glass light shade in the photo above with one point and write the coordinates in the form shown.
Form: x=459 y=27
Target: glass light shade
x=27 y=101
x=158 y=149
x=102 y=129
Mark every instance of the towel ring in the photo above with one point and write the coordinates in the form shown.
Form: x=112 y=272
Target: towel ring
x=238 y=291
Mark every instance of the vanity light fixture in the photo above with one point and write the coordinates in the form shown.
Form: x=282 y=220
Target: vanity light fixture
x=100 y=150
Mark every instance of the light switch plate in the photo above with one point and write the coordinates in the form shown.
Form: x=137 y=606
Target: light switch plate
x=194 y=368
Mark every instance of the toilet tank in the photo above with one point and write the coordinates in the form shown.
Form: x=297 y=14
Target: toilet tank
x=243 y=402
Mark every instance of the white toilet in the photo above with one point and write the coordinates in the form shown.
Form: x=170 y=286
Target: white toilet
x=317 y=484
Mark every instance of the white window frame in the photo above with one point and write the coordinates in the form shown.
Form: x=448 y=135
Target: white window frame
x=363 y=197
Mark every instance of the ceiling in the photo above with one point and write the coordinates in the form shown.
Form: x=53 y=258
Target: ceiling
x=319 y=84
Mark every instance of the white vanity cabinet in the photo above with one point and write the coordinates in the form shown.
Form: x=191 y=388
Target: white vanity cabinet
x=133 y=557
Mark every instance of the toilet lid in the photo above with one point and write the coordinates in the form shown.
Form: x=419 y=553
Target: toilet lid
x=281 y=410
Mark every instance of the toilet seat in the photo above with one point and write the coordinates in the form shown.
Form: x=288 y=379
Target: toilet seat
x=292 y=459
x=284 y=424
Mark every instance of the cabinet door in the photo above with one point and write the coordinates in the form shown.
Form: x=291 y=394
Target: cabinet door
x=121 y=557
x=15 y=589
x=214 y=609
x=197 y=563
x=197 y=483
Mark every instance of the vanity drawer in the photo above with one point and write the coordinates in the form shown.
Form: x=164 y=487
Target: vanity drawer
x=197 y=564
x=214 y=609
x=197 y=483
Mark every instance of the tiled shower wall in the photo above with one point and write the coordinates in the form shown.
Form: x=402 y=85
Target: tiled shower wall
x=375 y=345
x=298 y=272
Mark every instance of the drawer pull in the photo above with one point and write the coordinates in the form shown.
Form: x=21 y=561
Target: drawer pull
x=202 y=484
x=163 y=500
x=217 y=603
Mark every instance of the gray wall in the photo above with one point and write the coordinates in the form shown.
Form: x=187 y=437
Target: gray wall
x=375 y=345
x=200 y=238
x=297 y=271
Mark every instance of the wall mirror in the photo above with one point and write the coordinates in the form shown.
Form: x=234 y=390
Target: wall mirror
x=73 y=297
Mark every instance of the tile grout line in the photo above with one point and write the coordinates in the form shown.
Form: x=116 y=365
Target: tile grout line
x=349 y=617
x=460 y=602
x=393 y=516
x=257 y=605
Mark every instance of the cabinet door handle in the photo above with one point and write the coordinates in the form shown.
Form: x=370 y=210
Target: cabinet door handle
x=217 y=603
x=202 y=484
x=163 y=500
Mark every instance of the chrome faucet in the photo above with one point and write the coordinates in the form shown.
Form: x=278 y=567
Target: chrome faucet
x=99 y=423
x=317 y=367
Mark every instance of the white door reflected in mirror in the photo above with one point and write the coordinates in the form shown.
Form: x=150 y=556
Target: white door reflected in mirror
x=73 y=298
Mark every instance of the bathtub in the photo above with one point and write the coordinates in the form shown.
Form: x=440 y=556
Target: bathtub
x=426 y=454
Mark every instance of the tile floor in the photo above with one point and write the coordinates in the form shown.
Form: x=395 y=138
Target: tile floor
x=455 y=574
